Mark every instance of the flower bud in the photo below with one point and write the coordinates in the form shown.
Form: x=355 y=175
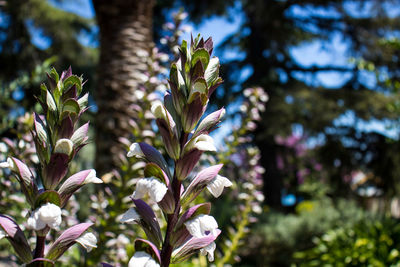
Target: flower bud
x=50 y=102
x=68 y=238
x=64 y=146
x=10 y=229
x=40 y=131
x=80 y=135
x=192 y=113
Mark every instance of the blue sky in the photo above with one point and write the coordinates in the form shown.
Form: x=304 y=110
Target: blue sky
x=308 y=54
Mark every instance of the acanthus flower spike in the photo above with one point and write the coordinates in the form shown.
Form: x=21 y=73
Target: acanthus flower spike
x=56 y=144
x=185 y=137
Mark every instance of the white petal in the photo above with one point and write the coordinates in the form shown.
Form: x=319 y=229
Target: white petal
x=2 y=234
x=91 y=178
x=208 y=224
x=3 y=147
x=4 y=164
x=152 y=186
x=158 y=110
x=11 y=164
x=209 y=249
x=8 y=164
x=131 y=216
x=142 y=188
x=88 y=241
x=48 y=214
x=34 y=222
x=202 y=225
x=135 y=150
x=142 y=259
x=157 y=190
x=216 y=186
x=193 y=227
x=205 y=146
x=205 y=143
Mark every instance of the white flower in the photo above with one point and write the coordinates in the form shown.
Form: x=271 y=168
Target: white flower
x=151 y=186
x=209 y=249
x=203 y=142
x=202 y=225
x=135 y=150
x=48 y=214
x=216 y=186
x=131 y=216
x=91 y=178
x=64 y=146
x=2 y=234
x=88 y=241
x=142 y=259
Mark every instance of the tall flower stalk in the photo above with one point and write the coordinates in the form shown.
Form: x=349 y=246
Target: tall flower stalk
x=189 y=229
x=57 y=141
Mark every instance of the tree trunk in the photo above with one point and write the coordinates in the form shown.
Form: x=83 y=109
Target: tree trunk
x=126 y=28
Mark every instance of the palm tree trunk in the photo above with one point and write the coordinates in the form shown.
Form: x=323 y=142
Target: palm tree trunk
x=126 y=28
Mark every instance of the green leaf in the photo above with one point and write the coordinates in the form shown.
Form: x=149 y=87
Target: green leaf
x=54 y=75
x=152 y=169
x=43 y=87
x=173 y=74
x=73 y=80
x=49 y=196
x=184 y=47
x=202 y=55
x=212 y=71
x=71 y=106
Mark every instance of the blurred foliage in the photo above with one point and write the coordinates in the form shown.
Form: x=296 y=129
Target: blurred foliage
x=367 y=243
x=12 y=93
x=35 y=30
x=279 y=235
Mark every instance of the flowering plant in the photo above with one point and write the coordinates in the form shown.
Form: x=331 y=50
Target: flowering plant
x=46 y=190
x=189 y=229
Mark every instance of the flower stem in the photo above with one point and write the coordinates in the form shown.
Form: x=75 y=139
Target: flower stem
x=39 y=250
x=171 y=222
x=172 y=219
